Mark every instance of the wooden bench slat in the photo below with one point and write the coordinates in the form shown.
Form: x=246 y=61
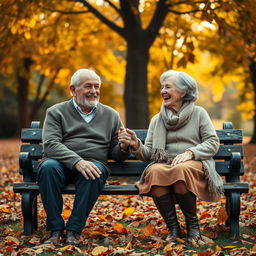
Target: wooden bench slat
x=224 y=152
x=135 y=169
x=34 y=135
x=126 y=189
x=230 y=136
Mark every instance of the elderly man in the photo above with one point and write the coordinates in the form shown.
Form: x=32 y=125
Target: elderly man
x=78 y=136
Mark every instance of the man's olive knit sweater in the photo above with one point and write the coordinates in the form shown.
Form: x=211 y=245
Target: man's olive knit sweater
x=68 y=138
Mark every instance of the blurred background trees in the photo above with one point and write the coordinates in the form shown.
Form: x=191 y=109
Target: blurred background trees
x=129 y=43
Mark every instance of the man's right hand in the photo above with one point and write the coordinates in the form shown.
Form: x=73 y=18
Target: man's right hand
x=88 y=169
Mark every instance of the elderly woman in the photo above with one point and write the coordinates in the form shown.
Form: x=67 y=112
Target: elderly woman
x=180 y=144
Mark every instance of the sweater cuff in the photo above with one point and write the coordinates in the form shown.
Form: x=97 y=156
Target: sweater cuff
x=74 y=162
x=139 y=148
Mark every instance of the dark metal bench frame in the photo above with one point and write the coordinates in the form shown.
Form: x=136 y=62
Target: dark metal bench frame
x=229 y=163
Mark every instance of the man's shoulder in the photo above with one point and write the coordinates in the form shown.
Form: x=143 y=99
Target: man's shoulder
x=108 y=109
x=61 y=105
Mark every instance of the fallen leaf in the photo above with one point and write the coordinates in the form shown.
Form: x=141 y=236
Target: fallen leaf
x=99 y=250
x=128 y=211
x=149 y=230
x=222 y=216
x=118 y=227
x=169 y=247
x=9 y=239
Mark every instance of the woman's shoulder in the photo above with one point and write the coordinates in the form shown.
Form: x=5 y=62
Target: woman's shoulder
x=155 y=118
x=200 y=110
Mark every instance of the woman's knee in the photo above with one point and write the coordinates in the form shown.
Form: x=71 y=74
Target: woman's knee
x=158 y=191
x=180 y=187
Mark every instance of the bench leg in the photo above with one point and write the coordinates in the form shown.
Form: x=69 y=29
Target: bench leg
x=233 y=210
x=29 y=212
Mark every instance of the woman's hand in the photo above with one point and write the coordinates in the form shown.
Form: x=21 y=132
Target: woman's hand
x=187 y=155
x=127 y=138
x=134 y=143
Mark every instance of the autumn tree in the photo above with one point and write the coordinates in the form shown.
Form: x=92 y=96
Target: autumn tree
x=41 y=50
x=234 y=43
x=138 y=23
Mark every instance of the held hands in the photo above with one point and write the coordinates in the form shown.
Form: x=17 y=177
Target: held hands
x=88 y=169
x=127 y=138
x=187 y=155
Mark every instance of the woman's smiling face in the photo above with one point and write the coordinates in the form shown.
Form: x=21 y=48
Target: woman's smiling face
x=171 y=95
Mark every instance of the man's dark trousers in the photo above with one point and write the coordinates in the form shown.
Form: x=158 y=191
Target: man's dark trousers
x=52 y=177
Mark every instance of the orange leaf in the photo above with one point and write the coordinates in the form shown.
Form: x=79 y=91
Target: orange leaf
x=103 y=218
x=66 y=214
x=118 y=227
x=5 y=210
x=253 y=249
x=217 y=248
x=204 y=215
x=96 y=234
x=222 y=216
x=149 y=230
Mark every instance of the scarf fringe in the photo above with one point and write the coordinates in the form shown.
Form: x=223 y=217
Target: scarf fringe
x=159 y=155
x=215 y=184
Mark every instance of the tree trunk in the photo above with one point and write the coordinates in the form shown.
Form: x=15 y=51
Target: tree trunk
x=136 y=93
x=22 y=76
x=253 y=79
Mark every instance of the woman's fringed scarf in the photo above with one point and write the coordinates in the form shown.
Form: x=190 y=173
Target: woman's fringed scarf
x=166 y=121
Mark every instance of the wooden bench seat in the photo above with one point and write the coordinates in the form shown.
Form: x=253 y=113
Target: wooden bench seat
x=229 y=164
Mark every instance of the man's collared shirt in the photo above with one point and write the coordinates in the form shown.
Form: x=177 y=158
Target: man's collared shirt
x=87 y=117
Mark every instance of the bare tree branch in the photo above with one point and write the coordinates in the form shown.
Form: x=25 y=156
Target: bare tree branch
x=102 y=18
x=157 y=19
x=131 y=15
x=114 y=7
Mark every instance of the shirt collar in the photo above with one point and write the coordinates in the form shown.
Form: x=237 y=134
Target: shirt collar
x=80 y=110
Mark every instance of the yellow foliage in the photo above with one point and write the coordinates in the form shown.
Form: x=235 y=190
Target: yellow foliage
x=128 y=211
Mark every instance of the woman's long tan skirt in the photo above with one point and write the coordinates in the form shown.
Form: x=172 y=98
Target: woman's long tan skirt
x=191 y=172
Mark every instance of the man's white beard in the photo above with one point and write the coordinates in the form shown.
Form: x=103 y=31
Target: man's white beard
x=87 y=104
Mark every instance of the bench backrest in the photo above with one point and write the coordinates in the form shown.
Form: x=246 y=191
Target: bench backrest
x=230 y=139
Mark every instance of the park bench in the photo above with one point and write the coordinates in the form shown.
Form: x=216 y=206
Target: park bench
x=229 y=163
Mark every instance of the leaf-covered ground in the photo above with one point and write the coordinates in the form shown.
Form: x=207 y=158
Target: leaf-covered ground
x=125 y=225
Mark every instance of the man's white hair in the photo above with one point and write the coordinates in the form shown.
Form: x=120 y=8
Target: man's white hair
x=75 y=79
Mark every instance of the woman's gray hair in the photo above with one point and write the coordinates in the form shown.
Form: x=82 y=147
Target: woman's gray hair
x=183 y=82
x=75 y=79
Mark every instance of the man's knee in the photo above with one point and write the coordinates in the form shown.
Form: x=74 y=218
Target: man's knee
x=49 y=167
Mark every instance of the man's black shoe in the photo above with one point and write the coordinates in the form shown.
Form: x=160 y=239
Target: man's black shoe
x=72 y=237
x=54 y=237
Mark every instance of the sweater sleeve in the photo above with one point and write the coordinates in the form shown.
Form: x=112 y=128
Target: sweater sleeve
x=144 y=151
x=209 y=140
x=52 y=141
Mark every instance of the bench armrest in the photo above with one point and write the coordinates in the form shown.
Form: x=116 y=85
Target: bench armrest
x=26 y=167
x=235 y=167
